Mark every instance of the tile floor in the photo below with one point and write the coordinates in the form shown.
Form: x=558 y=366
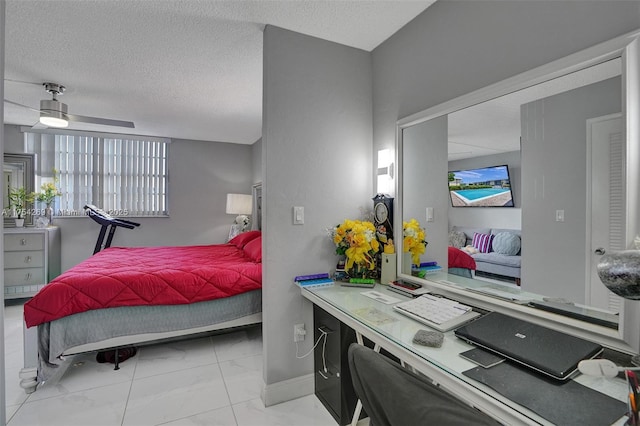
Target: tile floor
x=212 y=380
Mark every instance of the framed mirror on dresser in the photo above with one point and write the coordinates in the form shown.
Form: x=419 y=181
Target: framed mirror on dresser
x=569 y=134
x=18 y=172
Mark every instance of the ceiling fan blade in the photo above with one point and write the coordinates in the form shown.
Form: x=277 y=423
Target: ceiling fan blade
x=12 y=80
x=20 y=105
x=103 y=121
x=38 y=125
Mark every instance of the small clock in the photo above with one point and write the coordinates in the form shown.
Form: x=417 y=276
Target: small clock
x=381 y=213
x=383 y=216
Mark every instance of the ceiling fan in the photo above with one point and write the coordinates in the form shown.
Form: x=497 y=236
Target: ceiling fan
x=53 y=113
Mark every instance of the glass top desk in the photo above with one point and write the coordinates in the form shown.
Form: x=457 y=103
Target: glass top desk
x=394 y=332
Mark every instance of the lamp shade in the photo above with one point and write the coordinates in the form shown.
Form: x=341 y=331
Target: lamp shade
x=239 y=204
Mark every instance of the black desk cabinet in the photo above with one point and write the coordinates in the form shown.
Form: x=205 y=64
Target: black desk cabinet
x=333 y=386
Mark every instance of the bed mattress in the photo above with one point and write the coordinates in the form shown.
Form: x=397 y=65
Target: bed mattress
x=132 y=276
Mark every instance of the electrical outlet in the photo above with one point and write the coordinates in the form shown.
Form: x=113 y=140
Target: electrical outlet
x=298 y=332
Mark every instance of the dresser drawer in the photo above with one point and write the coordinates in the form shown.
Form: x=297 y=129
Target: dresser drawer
x=24 y=259
x=20 y=242
x=24 y=276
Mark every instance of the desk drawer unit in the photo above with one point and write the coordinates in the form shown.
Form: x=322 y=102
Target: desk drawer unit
x=31 y=259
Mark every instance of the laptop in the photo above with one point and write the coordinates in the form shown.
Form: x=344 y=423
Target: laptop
x=545 y=350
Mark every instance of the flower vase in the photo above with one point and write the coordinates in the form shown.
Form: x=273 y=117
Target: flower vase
x=48 y=213
x=388 y=268
x=406 y=263
x=357 y=271
x=19 y=222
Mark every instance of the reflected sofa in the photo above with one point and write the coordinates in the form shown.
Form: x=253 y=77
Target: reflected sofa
x=501 y=262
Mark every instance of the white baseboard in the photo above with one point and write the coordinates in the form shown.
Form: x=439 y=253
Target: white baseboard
x=288 y=389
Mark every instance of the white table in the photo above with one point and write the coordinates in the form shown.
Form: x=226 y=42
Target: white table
x=394 y=332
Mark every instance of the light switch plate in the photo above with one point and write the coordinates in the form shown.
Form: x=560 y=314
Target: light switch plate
x=429 y=214
x=298 y=215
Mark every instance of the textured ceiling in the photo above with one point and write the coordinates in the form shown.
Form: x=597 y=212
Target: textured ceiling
x=184 y=69
x=493 y=127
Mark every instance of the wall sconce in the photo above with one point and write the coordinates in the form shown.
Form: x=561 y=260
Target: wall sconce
x=241 y=205
x=385 y=172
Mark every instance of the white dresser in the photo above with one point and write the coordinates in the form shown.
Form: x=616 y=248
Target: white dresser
x=31 y=260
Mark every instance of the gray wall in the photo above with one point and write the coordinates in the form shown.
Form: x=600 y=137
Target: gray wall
x=200 y=176
x=458 y=46
x=256 y=161
x=316 y=138
x=3 y=410
x=555 y=159
x=425 y=183
x=13 y=139
x=507 y=217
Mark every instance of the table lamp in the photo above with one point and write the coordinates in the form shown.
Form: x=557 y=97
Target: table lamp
x=240 y=205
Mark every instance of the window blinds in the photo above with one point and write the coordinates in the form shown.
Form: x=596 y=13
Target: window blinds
x=122 y=175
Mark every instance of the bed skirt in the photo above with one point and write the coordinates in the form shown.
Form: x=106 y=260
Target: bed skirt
x=59 y=337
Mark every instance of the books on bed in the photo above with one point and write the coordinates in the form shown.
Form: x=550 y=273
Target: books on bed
x=315 y=280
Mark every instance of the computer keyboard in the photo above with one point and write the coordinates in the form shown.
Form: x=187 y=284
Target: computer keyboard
x=437 y=312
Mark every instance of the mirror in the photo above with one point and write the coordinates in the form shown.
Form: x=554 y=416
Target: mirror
x=556 y=174
x=18 y=172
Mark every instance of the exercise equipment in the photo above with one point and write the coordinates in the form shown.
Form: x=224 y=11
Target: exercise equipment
x=107 y=222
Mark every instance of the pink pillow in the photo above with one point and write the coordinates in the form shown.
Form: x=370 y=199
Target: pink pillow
x=482 y=242
x=253 y=250
x=241 y=240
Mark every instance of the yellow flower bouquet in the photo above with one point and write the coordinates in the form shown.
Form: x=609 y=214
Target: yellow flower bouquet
x=357 y=241
x=414 y=240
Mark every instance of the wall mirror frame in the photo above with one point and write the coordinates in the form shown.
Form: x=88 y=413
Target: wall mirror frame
x=627 y=47
x=18 y=171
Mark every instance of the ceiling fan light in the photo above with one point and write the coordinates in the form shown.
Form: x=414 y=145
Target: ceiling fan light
x=51 y=121
x=53 y=113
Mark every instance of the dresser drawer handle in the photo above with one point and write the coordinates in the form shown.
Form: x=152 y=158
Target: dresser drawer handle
x=27 y=277
x=23 y=242
x=27 y=259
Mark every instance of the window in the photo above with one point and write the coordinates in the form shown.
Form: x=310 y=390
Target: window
x=123 y=175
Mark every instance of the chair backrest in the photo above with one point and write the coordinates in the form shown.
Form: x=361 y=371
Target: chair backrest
x=393 y=395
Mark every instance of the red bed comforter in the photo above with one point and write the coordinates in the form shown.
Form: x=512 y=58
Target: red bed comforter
x=129 y=276
x=460 y=259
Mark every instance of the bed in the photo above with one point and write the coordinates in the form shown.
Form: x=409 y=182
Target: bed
x=132 y=295
x=461 y=263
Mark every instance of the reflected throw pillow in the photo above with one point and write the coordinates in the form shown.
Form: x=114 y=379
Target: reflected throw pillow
x=482 y=242
x=506 y=243
x=457 y=239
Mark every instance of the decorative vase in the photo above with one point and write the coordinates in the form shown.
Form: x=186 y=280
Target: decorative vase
x=358 y=271
x=406 y=263
x=620 y=272
x=48 y=213
x=388 y=268
x=19 y=222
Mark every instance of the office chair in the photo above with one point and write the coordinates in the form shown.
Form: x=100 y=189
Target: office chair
x=394 y=396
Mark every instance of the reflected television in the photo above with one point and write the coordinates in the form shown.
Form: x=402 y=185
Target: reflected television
x=482 y=187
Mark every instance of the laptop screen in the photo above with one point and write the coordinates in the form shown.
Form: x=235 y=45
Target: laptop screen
x=543 y=349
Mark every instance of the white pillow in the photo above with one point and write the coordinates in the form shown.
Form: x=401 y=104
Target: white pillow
x=506 y=243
